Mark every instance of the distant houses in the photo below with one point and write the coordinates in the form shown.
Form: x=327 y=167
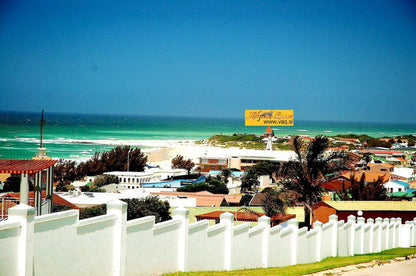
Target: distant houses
x=406 y=210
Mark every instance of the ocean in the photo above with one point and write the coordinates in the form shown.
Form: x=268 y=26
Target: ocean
x=78 y=136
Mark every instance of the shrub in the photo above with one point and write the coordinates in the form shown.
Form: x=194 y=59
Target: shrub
x=92 y=211
x=59 y=208
x=149 y=206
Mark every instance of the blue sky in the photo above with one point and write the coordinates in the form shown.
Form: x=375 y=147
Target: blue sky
x=327 y=60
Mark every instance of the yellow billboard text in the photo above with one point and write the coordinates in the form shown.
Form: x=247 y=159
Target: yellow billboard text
x=269 y=118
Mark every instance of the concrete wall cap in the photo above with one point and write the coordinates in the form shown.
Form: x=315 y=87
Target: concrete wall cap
x=333 y=217
x=22 y=210
x=181 y=212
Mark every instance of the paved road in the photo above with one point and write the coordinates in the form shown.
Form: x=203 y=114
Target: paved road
x=403 y=268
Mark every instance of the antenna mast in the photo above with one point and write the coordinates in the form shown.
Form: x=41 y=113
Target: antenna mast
x=42 y=123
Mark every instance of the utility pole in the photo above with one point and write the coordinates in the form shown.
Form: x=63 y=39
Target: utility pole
x=128 y=160
x=42 y=123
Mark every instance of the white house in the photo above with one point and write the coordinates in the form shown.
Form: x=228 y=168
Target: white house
x=396 y=186
x=134 y=180
x=405 y=172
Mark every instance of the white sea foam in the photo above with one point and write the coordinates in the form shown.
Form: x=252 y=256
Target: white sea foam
x=302 y=130
x=110 y=142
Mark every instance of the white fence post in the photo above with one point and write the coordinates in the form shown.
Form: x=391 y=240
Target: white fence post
x=183 y=215
x=25 y=215
x=351 y=235
x=119 y=208
x=228 y=219
x=377 y=247
x=361 y=222
x=334 y=242
x=393 y=223
x=386 y=224
x=293 y=223
x=317 y=225
x=265 y=222
x=370 y=242
x=414 y=231
x=397 y=236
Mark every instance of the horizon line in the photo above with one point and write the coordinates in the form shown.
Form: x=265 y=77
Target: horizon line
x=198 y=117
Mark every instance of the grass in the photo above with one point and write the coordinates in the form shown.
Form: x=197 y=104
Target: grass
x=325 y=264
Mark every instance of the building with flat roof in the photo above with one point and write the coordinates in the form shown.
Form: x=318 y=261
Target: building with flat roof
x=134 y=180
x=241 y=159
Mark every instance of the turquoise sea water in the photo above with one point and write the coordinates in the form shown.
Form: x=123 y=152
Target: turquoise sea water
x=76 y=136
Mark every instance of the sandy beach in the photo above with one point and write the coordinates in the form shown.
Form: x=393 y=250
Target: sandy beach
x=168 y=149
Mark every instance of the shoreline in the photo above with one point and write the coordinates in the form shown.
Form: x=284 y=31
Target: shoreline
x=160 y=152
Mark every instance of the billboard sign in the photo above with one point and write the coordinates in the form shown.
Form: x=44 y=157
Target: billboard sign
x=269 y=117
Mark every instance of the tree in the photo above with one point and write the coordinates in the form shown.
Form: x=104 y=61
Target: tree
x=367 y=157
x=90 y=212
x=65 y=171
x=312 y=166
x=245 y=199
x=276 y=201
x=264 y=168
x=12 y=184
x=212 y=185
x=60 y=208
x=121 y=158
x=216 y=186
x=63 y=187
x=362 y=190
x=249 y=181
x=226 y=173
x=179 y=163
x=149 y=206
x=105 y=179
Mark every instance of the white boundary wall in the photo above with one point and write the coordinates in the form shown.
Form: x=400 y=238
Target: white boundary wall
x=61 y=244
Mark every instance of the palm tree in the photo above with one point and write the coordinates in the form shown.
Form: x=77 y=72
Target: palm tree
x=313 y=165
x=226 y=173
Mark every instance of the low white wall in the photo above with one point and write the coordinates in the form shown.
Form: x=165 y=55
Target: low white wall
x=152 y=248
x=206 y=250
x=9 y=253
x=61 y=244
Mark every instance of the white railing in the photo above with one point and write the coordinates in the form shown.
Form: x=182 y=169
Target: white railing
x=61 y=244
x=7 y=202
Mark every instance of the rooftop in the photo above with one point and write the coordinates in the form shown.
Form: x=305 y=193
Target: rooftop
x=246 y=216
x=372 y=205
x=18 y=166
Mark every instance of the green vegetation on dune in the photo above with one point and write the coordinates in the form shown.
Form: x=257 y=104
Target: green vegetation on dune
x=236 y=137
x=252 y=141
x=302 y=269
x=248 y=141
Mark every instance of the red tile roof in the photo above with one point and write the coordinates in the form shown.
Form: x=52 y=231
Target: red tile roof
x=56 y=198
x=380 y=164
x=19 y=166
x=369 y=176
x=203 y=198
x=336 y=184
x=389 y=152
x=257 y=199
x=246 y=216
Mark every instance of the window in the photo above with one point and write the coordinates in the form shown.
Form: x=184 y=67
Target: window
x=400 y=189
